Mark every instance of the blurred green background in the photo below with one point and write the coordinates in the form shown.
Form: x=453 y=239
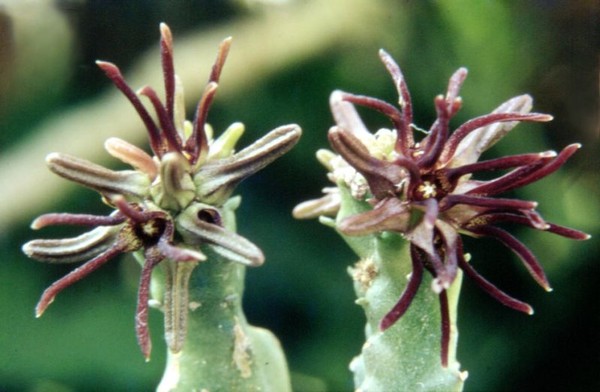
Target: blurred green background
x=286 y=59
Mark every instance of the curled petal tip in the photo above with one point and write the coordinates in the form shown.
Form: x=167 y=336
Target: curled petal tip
x=26 y=248
x=146 y=90
x=548 y=154
x=107 y=67
x=164 y=29
x=35 y=225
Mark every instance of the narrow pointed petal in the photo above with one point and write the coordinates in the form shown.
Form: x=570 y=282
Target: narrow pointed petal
x=547 y=169
x=345 y=115
x=474 y=144
x=327 y=205
x=77 y=274
x=166 y=54
x=499 y=163
x=527 y=257
x=132 y=155
x=395 y=116
x=177 y=253
x=490 y=202
x=164 y=118
x=72 y=250
x=197 y=143
x=217 y=179
x=142 y=331
x=382 y=176
x=435 y=141
x=54 y=219
x=91 y=175
x=527 y=174
x=507 y=181
x=492 y=290
x=222 y=53
x=450 y=238
x=114 y=74
x=487 y=121
x=405 y=135
x=568 y=232
x=408 y=294
x=224 y=145
x=198 y=231
x=389 y=215
x=553 y=228
x=422 y=236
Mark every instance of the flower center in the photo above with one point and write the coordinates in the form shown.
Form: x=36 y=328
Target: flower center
x=434 y=185
x=150 y=231
x=427 y=190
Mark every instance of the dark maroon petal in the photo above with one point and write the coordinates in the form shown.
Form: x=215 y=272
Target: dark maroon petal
x=405 y=136
x=422 y=236
x=491 y=289
x=197 y=144
x=113 y=73
x=435 y=141
x=527 y=257
x=152 y=258
x=498 y=164
x=166 y=55
x=75 y=219
x=395 y=116
x=482 y=121
x=445 y=328
x=382 y=176
x=408 y=294
x=479 y=201
x=450 y=238
x=505 y=182
x=568 y=232
x=217 y=67
x=389 y=215
x=164 y=118
x=129 y=211
x=74 y=276
x=178 y=254
x=529 y=220
x=548 y=168
x=526 y=175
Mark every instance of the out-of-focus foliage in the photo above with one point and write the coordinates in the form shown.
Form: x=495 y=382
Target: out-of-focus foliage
x=547 y=48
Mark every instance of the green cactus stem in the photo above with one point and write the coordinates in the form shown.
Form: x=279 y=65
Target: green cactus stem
x=406 y=356
x=221 y=351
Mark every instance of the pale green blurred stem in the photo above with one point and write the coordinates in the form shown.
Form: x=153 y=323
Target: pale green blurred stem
x=405 y=357
x=221 y=351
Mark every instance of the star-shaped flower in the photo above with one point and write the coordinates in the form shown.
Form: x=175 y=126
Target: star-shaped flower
x=424 y=190
x=171 y=204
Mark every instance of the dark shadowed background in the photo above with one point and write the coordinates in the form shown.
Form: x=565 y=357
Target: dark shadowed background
x=286 y=58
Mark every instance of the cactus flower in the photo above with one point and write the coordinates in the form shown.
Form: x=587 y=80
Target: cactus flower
x=169 y=206
x=425 y=189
